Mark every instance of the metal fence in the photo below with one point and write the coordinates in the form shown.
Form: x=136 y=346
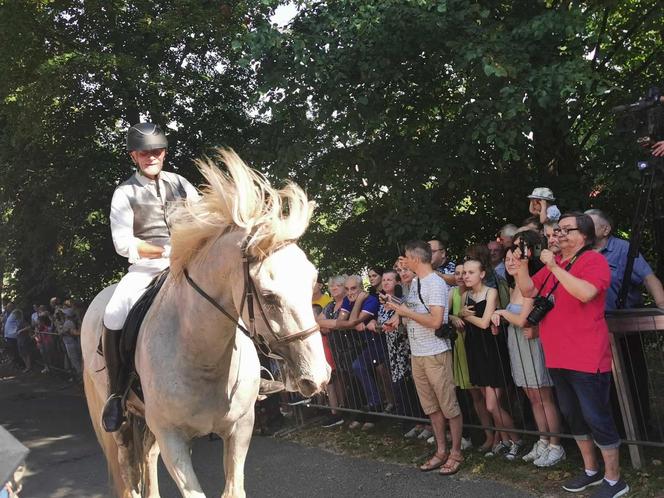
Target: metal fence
x=372 y=379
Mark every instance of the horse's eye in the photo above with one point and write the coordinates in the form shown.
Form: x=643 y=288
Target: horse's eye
x=269 y=296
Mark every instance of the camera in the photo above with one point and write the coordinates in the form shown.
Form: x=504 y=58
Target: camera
x=523 y=247
x=541 y=307
x=386 y=298
x=446 y=331
x=644 y=119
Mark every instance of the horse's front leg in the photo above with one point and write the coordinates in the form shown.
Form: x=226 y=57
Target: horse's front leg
x=236 y=446
x=176 y=453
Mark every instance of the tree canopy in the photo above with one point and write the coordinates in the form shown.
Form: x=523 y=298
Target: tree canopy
x=403 y=119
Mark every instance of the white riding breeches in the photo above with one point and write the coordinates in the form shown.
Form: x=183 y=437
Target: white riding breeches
x=128 y=291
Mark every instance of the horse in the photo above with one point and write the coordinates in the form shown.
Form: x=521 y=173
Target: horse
x=233 y=249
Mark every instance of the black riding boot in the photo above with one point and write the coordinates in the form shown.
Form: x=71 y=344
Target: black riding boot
x=113 y=414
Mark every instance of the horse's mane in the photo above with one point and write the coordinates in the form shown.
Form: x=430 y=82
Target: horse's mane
x=241 y=198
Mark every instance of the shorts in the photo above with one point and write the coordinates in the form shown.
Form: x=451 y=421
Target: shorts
x=434 y=382
x=584 y=401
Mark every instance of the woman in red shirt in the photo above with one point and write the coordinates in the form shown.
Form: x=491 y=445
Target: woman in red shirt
x=575 y=339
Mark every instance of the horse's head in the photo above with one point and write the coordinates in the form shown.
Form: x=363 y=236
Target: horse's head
x=240 y=209
x=284 y=317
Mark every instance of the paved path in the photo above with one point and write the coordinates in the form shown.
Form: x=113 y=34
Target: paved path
x=49 y=416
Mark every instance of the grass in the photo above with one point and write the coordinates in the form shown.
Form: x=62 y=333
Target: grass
x=386 y=443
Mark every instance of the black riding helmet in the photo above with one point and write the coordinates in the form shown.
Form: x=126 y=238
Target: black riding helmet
x=146 y=136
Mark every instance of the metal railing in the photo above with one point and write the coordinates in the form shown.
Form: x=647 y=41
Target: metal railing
x=371 y=379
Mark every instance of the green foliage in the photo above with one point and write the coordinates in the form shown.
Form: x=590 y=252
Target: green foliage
x=75 y=76
x=402 y=119
x=420 y=107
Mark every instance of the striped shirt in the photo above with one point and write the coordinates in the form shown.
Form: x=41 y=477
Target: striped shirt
x=423 y=341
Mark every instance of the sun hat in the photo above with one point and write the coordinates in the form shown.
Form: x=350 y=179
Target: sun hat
x=543 y=193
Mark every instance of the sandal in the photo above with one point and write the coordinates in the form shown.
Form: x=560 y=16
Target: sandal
x=452 y=465
x=436 y=461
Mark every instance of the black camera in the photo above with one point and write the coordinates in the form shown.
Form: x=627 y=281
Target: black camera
x=446 y=331
x=644 y=119
x=523 y=247
x=541 y=307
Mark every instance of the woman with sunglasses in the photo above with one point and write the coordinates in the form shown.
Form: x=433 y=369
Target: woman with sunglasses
x=527 y=358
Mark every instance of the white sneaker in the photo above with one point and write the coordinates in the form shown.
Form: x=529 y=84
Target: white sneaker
x=538 y=448
x=412 y=433
x=499 y=449
x=431 y=440
x=551 y=457
x=425 y=434
x=466 y=443
x=515 y=450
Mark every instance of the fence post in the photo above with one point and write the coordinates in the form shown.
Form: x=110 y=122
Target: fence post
x=626 y=402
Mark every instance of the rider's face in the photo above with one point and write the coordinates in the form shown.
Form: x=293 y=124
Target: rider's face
x=149 y=162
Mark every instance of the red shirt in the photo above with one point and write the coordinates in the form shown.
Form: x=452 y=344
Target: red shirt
x=574 y=335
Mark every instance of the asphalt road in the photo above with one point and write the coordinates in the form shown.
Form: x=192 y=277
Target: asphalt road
x=49 y=416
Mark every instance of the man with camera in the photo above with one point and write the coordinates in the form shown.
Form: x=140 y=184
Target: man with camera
x=569 y=293
x=425 y=312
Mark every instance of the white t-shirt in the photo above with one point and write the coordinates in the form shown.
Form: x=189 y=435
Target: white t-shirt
x=423 y=341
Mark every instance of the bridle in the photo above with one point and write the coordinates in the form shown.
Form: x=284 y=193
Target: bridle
x=249 y=295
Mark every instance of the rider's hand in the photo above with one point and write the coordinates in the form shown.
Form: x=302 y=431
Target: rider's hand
x=149 y=251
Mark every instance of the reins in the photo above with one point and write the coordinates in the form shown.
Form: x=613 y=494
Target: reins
x=248 y=297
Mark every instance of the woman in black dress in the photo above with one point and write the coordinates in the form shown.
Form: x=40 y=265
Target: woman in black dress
x=488 y=357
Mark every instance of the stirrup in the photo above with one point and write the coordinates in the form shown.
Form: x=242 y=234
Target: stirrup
x=116 y=419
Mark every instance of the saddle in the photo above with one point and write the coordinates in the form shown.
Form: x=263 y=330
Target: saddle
x=129 y=334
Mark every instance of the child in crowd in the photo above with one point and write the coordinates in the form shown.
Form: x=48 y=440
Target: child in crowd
x=541 y=205
x=460 y=363
x=488 y=358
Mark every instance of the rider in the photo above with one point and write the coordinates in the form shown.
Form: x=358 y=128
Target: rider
x=141 y=233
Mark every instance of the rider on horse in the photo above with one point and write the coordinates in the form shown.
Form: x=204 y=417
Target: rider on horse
x=141 y=232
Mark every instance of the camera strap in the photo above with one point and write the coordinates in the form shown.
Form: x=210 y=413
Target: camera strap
x=419 y=294
x=567 y=268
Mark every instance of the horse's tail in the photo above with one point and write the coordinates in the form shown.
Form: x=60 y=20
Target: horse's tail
x=108 y=444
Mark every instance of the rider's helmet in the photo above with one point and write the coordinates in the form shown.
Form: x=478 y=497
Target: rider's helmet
x=146 y=136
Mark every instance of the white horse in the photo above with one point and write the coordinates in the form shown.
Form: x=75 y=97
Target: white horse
x=199 y=372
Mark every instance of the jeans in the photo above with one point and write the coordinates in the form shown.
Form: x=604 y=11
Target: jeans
x=584 y=402
x=363 y=368
x=73 y=347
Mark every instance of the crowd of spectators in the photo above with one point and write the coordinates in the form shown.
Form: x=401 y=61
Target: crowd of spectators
x=524 y=311
x=49 y=336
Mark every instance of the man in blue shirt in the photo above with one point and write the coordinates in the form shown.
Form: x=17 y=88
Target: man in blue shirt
x=615 y=251
x=357 y=309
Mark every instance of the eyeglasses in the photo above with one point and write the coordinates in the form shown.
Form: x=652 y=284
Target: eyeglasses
x=151 y=152
x=563 y=231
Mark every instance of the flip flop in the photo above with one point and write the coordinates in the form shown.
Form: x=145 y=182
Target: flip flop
x=451 y=466
x=435 y=462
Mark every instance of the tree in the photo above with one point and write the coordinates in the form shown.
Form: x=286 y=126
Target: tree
x=75 y=76
x=412 y=118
